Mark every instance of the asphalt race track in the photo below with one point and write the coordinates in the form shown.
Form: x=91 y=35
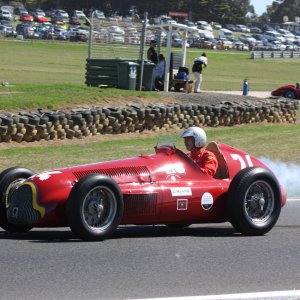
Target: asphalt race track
x=151 y=262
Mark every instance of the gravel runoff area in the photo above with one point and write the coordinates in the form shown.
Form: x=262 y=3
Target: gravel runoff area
x=216 y=97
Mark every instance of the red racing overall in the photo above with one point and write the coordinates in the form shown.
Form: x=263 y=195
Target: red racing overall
x=206 y=160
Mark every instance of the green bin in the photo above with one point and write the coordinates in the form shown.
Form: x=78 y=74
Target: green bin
x=148 y=75
x=127 y=72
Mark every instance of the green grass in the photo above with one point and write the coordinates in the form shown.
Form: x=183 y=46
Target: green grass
x=277 y=142
x=50 y=74
x=227 y=70
x=60 y=95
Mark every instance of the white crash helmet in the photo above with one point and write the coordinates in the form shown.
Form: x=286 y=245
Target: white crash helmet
x=198 y=134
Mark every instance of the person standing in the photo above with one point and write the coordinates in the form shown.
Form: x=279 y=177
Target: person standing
x=151 y=53
x=158 y=73
x=199 y=64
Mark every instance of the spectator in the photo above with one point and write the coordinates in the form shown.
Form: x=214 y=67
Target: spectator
x=151 y=53
x=159 y=73
x=199 y=64
x=183 y=73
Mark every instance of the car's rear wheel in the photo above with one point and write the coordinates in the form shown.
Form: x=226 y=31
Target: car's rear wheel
x=10 y=180
x=254 y=201
x=95 y=207
x=290 y=94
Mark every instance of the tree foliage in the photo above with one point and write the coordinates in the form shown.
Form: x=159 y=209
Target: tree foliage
x=282 y=8
x=222 y=11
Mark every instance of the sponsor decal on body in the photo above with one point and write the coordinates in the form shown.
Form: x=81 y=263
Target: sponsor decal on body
x=173 y=168
x=46 y=175
x=181 y=191
x=207 y=201
x=182 y=204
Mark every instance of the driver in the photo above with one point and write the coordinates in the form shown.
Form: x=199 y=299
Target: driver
x=195 y=140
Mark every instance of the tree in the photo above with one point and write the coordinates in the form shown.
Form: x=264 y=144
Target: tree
x=289 y=8
x=222 y=11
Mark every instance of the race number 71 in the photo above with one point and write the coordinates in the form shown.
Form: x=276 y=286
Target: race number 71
x=244 y=162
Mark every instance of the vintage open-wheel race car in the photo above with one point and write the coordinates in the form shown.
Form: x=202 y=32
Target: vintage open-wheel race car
x=288 y=91
x=166 y=187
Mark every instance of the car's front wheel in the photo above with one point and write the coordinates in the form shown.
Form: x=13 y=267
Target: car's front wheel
x=254 y=201
x=10 y=180
x=95 y=207
x=290 y=94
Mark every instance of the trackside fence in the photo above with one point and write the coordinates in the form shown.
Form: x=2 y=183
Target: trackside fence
x=275 y=54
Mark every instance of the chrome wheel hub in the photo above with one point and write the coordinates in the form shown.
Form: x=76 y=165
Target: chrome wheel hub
x=259 y=202
x=99 y=208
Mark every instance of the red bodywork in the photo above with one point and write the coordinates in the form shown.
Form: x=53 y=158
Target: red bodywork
x=25 y=17
x=283 y=90
x=165 y=187
x=40 y=18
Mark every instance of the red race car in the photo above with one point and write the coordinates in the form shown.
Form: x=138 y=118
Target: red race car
x=288 y=91
x=163 y=188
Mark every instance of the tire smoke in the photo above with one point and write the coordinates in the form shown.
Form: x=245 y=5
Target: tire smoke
x=287 y=174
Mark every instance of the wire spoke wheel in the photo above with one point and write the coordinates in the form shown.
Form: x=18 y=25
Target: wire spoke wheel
x=254 y=201
x=259 y=202
x=99 y=208
x=95 y=207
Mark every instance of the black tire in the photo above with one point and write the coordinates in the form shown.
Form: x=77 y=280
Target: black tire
x=178 y=226
x=290 y=94
x=10 y=179
x=95 y=207
x=254 y=201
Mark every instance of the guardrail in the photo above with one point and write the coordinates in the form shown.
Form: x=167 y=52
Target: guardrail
x=275 y=54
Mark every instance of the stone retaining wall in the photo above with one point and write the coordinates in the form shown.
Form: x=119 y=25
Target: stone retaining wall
x=51 y=125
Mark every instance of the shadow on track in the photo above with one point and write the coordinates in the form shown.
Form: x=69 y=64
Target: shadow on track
x=64 y=235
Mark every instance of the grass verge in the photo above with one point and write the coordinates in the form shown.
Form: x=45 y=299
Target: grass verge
x=272 y=141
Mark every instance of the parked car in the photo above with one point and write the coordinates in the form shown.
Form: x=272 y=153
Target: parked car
x=6 y=15
x=288 y=91
x=25 y=17
x=274 y=36
x=74 y=21
x=62 y=13
x=242 y=28
x=115 y=29
x=20 y=10
x=247 y=38
x=10 y=31
x=231 y=27
x=116 y=38
x=255 y=29
x=166 y=187
x=39 y=12
x=98 y=14
x=40 y=18
x=79 y=14
x=3 y=31
x=58 y=20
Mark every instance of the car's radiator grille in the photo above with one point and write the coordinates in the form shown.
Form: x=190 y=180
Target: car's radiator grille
x=140 y=204
x=115 y=172
x=20 y=210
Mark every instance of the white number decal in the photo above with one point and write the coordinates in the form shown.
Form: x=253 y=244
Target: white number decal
x=242 y=161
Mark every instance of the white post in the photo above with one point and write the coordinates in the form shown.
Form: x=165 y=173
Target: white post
x=168 y=58
x=183 y=49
